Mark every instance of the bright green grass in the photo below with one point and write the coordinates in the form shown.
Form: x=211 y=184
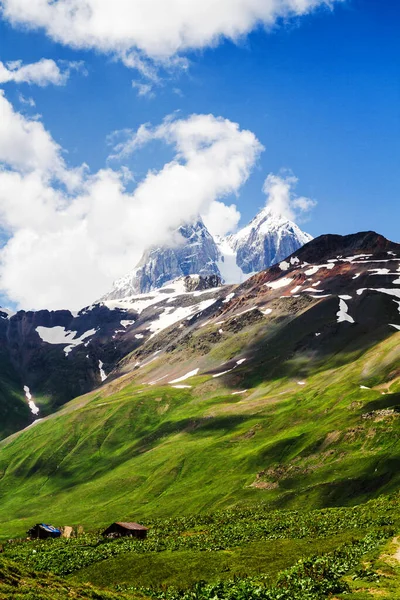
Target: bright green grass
x=235 y=553
x=183 y=569
x=143 y=452
x=18 y=583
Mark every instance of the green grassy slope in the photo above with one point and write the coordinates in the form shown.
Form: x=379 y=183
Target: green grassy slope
x=144 y=451
x=378 y=576
x=248 y=552
x=183 y=569
x=19 y=583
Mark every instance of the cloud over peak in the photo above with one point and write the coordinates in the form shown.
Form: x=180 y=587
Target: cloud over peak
x=282 y=199
x=71 y=233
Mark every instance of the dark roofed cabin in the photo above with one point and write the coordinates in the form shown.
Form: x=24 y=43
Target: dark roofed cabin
x=126 y=530
x=41 y=531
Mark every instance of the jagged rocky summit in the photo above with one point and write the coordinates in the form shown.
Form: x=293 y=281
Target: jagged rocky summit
x=195 y=253
x=265 y=241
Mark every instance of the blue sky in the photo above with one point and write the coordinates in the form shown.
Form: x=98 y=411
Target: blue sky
x=320 y=92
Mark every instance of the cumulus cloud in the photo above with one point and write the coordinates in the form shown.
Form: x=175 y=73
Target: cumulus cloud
x=221 y=219
x=71 y=233
x=44 y=72
x=281 y=198
x=25 y=144
x=161 y=30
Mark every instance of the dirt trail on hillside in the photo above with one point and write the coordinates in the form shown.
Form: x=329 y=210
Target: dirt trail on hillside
x=396 y=555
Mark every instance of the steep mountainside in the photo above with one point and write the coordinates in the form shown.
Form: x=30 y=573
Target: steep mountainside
x=49 y=357
x=284 y=389
x=195 y=253
x=14 y=409
x=265 y=241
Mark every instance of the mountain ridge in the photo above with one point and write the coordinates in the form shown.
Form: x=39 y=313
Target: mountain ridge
x=267 y=239
x=284 y=389
x=59 y=355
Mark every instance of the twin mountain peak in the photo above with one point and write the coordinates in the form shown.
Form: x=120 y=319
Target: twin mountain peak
x=268 y=239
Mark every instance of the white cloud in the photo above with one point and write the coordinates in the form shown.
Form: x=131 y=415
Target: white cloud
x=25 y=144
x=304 y=204
x=221 y=219
x=67 y=244
x=143 y=89
x=26 y=101
x=281 y=198
x=42 y=73
x=160 y=29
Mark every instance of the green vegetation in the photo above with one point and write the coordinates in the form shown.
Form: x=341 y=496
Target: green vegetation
x=311 y=579
x=183 y=569
x=245 y=547
x=133 y=452
x=221 y=471
x=18 y=583
x=223 y=530
x=378 y=575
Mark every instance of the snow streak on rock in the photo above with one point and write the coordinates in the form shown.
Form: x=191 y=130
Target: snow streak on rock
x=184 y=377
x=343 y=313
x=32 y=405
x=103 y=376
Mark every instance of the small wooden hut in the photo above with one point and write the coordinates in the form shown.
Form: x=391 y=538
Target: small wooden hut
x=121 y=529
x=41 y=531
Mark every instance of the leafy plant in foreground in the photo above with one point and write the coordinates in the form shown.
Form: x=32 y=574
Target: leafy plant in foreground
x=312 y=579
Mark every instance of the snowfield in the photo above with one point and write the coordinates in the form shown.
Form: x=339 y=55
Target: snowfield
x=58 y=335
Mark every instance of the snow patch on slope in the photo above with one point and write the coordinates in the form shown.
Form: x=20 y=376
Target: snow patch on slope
x=184 y=377
x=280 y=283
x=59 y=335
x=343 y=313
x=127 y=324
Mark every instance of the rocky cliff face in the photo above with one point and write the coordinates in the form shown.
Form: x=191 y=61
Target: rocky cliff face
x=200 y=283
x=49 y=357
x=57 y=355
x=267 y=240
x=194 y=253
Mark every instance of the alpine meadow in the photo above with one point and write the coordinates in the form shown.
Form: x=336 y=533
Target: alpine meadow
x=199 y=383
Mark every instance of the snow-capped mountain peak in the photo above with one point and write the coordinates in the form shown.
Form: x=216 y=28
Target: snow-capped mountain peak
x=194 y=253
x=267 y=239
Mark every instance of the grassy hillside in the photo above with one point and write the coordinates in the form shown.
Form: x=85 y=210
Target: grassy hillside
x=134 y=451
x=378 y=576
x=248 y=552
x=19 y=583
